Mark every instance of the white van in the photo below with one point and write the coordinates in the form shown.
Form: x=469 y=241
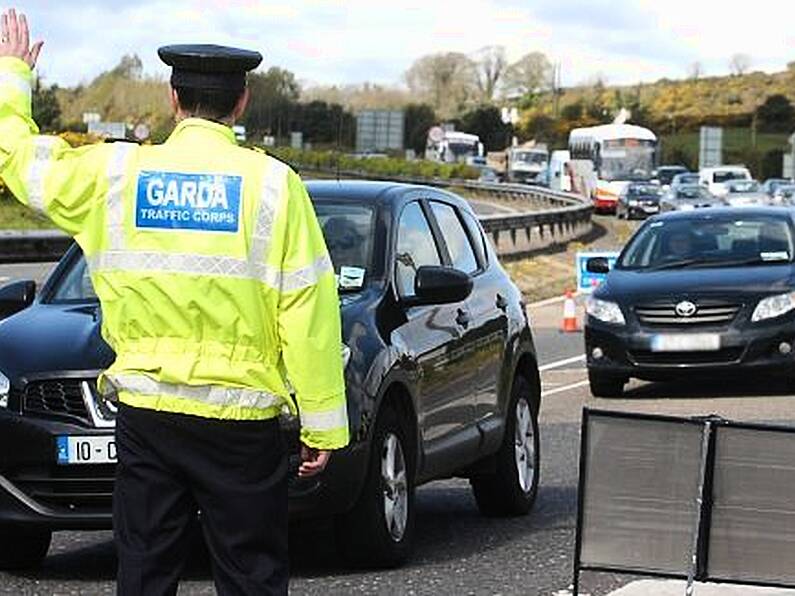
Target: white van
x=559 y=178
x=716 y=178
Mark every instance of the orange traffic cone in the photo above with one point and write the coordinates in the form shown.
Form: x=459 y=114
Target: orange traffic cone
x=569 y=314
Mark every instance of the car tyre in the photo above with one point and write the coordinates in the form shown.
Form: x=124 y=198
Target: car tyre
x=604 y=385
x=379 y=531
x=511 y=489
x=23 y=548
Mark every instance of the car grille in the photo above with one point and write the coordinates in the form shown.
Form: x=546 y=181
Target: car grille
x=57 y=396
x=708 y=313
x=647 y=357
x=83 y=489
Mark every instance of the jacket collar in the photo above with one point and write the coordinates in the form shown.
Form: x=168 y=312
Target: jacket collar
x=196 y=125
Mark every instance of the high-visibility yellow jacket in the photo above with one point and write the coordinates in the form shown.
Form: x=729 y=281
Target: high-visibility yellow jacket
x=217 y=291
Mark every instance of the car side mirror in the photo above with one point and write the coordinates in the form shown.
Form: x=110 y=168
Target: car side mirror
x=597 y=265
x=440 y=285
x=15 y=297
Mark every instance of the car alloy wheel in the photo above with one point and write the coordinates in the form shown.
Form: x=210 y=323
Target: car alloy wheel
x=524 y=448
x=395 y=482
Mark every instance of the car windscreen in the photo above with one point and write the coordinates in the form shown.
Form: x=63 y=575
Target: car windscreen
x=728 y=175
x=643 y=190
x=349 y=232
x=687 y=179
x=665 y=175
x=723 y=240
x=744 y=186
x=692 y=192
x=74 y=285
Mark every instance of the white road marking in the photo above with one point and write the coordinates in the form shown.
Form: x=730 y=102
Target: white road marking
x=564 y=388
x=559 y=363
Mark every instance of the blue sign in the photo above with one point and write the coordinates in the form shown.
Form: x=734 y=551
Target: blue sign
x=179 y=201
x=587 y=281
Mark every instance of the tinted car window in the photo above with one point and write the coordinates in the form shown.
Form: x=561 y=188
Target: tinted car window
x=638 y=190
x=348 y=230
x=711 y=241
x=455 y=237
x=75 y=286
x=415 y=248
x=477 y=235
x=727 y=175
x=692 y=192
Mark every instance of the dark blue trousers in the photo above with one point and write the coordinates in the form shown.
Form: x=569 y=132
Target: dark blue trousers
x=172 y=466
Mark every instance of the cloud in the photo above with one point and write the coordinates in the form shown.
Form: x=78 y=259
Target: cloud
x=349 y=41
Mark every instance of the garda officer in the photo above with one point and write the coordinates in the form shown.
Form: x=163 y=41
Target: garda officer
x=219 y=299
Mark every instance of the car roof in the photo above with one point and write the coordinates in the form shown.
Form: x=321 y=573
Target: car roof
x=380 y=192
x=782 y=212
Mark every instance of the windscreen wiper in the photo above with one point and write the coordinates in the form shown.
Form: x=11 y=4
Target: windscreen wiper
x=678 y=264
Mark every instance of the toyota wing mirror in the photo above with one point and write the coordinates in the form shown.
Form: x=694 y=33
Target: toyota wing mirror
x=597 y=265
x=440 y=285
x=15 y=297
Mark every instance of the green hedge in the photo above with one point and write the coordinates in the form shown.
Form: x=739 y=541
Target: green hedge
x=375 y=166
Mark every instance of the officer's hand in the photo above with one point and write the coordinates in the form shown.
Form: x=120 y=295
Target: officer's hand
x=313 y=461
x=15 y=38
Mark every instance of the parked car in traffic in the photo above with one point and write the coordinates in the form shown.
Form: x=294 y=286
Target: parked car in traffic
x=772 y=184
x=686 y=197
x=745 y=193
x=717 y=178
x=638 y=200
x=488 y=175
x=666 y=174
x=707 y=292
x=441 y=374
x=784 y=195
x=685 y=178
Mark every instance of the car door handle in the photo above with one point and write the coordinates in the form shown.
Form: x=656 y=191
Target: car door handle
x=502 y=303
x=462 y=318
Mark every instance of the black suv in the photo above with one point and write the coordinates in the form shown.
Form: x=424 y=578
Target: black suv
x=442 y=381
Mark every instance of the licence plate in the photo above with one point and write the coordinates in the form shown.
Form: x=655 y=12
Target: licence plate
x=651 y=209
x=86 y=449
x=685 y=342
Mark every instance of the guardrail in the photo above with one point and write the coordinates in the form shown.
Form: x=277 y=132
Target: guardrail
x=543 y=217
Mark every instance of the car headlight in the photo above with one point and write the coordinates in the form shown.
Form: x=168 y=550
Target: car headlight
x=606 y=311
x=5 y=389
x=773 y=306
x=633 y=203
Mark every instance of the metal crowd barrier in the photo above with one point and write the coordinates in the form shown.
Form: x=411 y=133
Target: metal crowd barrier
x=542 y=217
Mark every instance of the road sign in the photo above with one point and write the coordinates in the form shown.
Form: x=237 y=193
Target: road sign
x=110 y=130
x=587 y=281
x=711 y=147
x=141 y=132
x=297 y=140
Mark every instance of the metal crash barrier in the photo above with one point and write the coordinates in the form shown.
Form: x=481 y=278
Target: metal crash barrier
x=699 y=499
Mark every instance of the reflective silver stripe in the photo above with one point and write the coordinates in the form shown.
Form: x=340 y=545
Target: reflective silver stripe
x=306 y=276
x=19 y=83
x=43 y=149
x=330 y=420
x=214 y=395
x=190 y=264
x=163 y=262
x=114 y=205
x=273 y=189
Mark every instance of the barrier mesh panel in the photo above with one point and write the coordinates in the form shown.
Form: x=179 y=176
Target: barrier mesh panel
x=640 y=497
x=752 y=537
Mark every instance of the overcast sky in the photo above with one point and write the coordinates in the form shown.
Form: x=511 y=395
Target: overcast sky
x=352 y=41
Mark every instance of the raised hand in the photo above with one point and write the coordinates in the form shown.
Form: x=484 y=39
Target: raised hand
x=15 y=38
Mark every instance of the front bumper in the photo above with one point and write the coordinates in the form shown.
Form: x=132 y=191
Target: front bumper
x=641 y=211
x=747 y=348
x=37 y=491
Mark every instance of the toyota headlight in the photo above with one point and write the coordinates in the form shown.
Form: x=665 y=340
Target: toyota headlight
x=5 y=389
x=604 y=310
x=773 y=306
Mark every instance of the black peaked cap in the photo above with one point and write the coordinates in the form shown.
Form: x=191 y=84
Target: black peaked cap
x=206 y=66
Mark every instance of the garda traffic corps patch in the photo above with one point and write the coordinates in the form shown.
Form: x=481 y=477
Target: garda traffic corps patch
x=175 y=200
